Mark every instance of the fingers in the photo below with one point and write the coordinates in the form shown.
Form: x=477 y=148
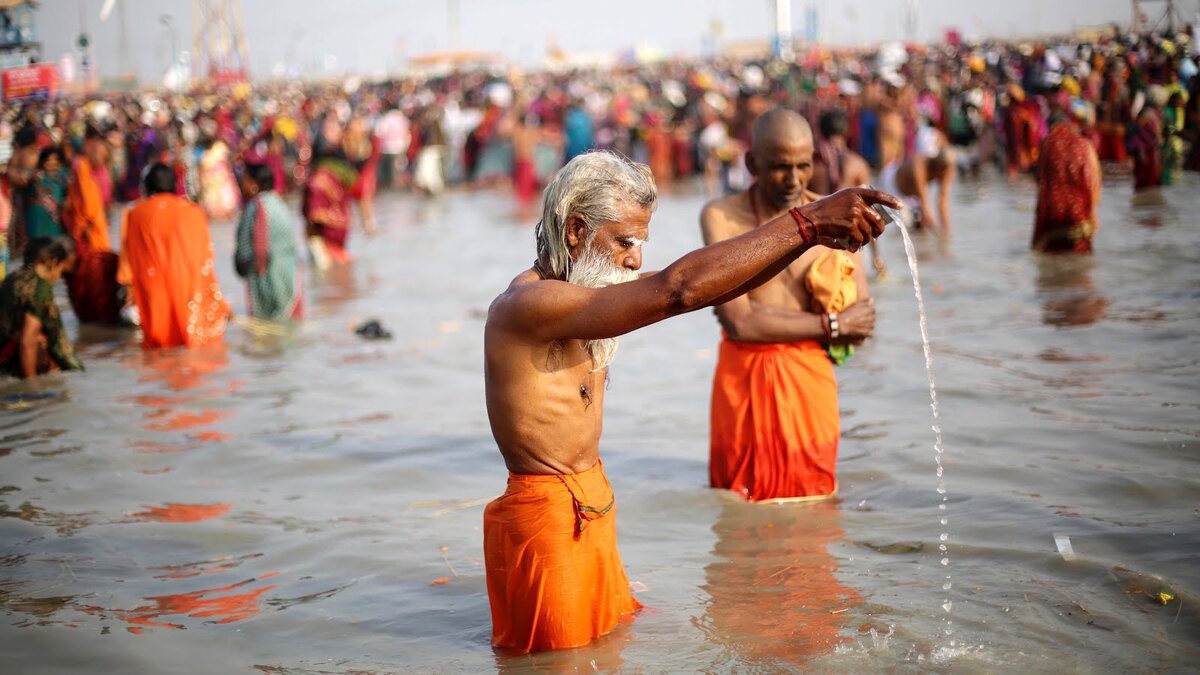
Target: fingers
x=874 y=220
x=877 y=197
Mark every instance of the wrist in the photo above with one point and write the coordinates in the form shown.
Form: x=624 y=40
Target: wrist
x=807 y=228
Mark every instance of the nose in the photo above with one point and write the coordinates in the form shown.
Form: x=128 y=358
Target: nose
x=633 y=259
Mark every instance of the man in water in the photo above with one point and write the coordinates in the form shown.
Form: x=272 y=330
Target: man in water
x=554 y=576
x=932 y=165
x=169 y=257
x=1068 y=186
x=774 y=422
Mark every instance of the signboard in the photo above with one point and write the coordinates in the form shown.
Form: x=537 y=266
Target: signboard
x=221 y=76
x=38 y=82
x=17 y=26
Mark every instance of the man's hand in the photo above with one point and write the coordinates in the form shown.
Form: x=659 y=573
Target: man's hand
x=846 y=219
x=856 y=323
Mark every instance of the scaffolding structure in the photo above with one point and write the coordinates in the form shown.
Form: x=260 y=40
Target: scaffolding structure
x=1167 y=20
x=219 y=51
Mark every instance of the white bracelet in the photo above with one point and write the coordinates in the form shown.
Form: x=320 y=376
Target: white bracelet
x=833 y=325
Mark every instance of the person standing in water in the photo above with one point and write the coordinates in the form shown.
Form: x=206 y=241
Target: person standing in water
x=266 y=255
x=1068 y=186
x=554 y=576
x=774 y=423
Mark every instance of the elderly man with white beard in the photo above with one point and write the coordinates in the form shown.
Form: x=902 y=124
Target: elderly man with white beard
x=554 y=576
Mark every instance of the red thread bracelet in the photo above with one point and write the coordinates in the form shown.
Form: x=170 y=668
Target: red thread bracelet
x=808 y=229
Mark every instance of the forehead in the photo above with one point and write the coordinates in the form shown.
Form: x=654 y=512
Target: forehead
x=783 y=148
x=634 y=222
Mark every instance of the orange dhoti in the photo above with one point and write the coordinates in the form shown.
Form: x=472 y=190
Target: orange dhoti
x=554 y=576
x=775 y=424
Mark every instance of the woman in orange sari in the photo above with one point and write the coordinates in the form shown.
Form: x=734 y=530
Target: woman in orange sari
x=92 y=286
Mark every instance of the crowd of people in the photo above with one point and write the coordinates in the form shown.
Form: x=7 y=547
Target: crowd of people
x=767 y=138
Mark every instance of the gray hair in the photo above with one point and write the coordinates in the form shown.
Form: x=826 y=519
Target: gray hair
x=594 y=186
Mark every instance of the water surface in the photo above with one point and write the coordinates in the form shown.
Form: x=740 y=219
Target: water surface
x=313 y=502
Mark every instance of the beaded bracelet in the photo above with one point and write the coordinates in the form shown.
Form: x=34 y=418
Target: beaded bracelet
x=833 y=326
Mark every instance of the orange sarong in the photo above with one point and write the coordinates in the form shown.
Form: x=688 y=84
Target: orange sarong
x=775 y=423
x=554 y=576
x=170 y=269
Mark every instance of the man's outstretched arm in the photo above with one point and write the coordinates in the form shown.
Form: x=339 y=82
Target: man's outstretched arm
x=556 y=310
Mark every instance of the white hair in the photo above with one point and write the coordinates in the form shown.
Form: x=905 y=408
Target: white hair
x=594 y=186
x=593 y=269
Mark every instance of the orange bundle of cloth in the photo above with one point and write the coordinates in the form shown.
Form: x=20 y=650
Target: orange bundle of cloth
x=554 y=576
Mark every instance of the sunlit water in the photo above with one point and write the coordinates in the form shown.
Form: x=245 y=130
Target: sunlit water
x=313 y=503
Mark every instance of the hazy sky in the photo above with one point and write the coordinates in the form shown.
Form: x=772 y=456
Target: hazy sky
x=370 y=36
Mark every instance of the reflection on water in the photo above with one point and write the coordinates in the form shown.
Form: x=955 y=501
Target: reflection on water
x=223 y=604
x=1069 y=294
x=181 y=513
x=775 y=597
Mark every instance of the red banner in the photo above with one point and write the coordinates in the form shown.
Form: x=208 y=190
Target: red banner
x=38 y=82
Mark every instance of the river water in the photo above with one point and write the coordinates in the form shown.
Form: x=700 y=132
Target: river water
x=313 y=502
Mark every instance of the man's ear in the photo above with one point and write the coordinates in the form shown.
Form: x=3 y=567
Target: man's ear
x=751 y=165
x=576 y=231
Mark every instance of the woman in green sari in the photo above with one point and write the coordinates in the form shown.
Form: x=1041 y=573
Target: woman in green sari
x=47 y=193
x=32 y=338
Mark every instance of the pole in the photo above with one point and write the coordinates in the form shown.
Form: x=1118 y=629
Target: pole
x=453 y=20
x=783 y=30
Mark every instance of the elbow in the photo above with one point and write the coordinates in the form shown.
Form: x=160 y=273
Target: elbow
x=684 y=297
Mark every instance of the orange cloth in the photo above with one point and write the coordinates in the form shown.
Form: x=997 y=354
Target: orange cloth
x=775 y=424
x=830 y=281
x=832 y=288
x=83 y=212
x=170 y=257
x=554 y=576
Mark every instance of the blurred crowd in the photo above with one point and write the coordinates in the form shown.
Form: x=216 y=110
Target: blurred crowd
x=71 y=166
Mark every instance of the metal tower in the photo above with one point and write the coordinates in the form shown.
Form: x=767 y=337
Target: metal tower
x=219 y=41
x=1167 y=20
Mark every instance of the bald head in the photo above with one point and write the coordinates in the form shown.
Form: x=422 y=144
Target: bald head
x=780 y=158
x=779 y=125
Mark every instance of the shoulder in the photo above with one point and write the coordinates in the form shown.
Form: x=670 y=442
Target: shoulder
x=524 y=288
x=192 y=210
x=720 y=217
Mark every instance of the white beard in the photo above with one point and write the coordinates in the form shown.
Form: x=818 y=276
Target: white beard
x=594 y=270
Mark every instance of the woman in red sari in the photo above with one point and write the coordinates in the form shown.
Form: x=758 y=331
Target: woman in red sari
x=1068 y=187
x=334 y=181
x=1146 y=147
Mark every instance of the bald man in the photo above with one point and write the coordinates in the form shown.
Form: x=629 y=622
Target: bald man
x=774 y=424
